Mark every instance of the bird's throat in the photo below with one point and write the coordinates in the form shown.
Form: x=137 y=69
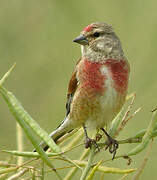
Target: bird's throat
x=100 y=56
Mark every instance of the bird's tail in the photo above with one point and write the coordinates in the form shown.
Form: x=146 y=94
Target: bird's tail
x=62 y=129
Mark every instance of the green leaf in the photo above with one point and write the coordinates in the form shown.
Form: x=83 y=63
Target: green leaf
x=91 y=175
x=115 y=123
x=4 y=78
x=21 y=116
x=28 y=153
x=146 y=137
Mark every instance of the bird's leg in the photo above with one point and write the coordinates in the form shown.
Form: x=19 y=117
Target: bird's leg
x=88 y=141
x=112 y=144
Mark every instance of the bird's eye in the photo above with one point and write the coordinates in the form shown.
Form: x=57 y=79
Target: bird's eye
x=96 y=34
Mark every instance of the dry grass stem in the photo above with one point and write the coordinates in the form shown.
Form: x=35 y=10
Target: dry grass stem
x=65 y=138
x=19 y=174
x=123 y=177
x=126 y=116
x=74 y=170
x=145 y=160
x=75 y=140
x=19 y=136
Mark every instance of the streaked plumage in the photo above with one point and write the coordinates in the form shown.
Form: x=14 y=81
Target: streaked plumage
x=99 y=82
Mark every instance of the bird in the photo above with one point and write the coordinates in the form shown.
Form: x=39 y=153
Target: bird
x=98 y=85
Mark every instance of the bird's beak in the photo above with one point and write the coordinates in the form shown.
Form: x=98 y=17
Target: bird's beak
x=81 y=39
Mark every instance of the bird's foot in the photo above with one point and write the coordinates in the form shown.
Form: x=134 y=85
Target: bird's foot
x=112 y=145
x=89 y=142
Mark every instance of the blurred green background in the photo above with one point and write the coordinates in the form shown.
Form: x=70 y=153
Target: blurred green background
x=38 y=35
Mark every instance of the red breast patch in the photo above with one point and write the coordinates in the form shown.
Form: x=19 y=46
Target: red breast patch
x=120 y=74
x=91 y=77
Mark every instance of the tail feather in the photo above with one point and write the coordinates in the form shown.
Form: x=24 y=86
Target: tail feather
x=55 y=135
x=62 y=129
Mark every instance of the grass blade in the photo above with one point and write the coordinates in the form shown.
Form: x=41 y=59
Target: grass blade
x=19 y=113
x=17 y=110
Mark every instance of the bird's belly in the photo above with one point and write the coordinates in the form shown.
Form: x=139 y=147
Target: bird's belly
x=96 y=110
x=108 y=107
x=100 y=94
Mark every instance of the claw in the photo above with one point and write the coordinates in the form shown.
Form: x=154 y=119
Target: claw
x=112 y=144
x=89 y=142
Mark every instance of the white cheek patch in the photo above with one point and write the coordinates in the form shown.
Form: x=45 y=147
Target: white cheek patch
x=104 y=46
x=100 y=45
x=108 y=46
x=108 y=49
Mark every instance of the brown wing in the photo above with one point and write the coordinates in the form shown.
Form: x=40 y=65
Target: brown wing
x=71 y=89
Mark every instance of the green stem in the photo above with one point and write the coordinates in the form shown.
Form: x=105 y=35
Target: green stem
x=71 y=173
x=90 y=160
x=42 y=171
x=20 y=144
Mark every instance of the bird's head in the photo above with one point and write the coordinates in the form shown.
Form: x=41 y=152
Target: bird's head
x=99 y=37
